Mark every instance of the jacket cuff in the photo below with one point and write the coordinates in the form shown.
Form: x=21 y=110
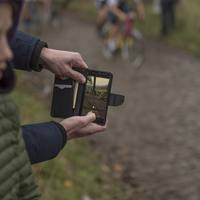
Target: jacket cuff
x=34 y=63
x=62 y=131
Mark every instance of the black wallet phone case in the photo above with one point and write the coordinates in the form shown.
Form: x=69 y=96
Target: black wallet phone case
x=63 y=95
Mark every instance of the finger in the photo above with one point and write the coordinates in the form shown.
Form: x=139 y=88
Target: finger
x=81 y=64
x=106 y=124
x=90 y=112
x=93 y=128
x=83 y=121
x=78 y=122
x=77 y=76
x=91 y=116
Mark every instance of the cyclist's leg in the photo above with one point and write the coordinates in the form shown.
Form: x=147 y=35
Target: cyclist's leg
x=108 y=37
x=118 y=15
x=102 y=14
x=122 y=13
x=114 y=31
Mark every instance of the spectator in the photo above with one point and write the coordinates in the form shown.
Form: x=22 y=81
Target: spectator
x=168 y=15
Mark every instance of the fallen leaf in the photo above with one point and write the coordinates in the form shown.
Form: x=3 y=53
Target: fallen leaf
x=68 y=184
x=118 y=167
x=63 y=159
x=105 y=168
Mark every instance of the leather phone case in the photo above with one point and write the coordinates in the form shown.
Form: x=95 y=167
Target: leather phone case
x=63 y=96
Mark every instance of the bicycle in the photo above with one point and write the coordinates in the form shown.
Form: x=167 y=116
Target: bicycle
x=128 y=41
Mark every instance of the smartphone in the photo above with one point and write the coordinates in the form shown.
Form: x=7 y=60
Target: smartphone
x=96 y=98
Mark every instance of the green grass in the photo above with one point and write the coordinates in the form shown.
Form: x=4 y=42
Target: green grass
x=184 y=37
x=78 y=170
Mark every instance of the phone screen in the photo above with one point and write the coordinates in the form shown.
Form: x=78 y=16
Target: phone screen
x=96 y=95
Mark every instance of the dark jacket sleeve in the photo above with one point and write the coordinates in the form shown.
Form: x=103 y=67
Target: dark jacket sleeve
x=27 y=49
x=44 y=140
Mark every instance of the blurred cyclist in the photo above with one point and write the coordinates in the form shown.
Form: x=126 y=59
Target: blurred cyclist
x=120 y=12
x=120 y=8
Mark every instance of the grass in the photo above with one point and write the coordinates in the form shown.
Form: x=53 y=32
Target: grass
x=185 y=36
x=78 y=170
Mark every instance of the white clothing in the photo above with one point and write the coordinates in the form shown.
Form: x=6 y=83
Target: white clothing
x=116 y=2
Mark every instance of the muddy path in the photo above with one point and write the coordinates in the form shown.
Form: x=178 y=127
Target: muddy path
x=155 y=134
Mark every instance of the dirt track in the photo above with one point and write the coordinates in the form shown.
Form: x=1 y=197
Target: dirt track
x=155 y=134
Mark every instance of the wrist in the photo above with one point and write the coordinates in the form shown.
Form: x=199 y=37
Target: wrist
x=43 y=57
x=35 y=58
x=69 y=134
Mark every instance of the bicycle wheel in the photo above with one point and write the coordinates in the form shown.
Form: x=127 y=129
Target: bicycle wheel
x=133 y=50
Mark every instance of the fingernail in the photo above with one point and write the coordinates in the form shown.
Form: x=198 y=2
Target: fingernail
x=83 y=80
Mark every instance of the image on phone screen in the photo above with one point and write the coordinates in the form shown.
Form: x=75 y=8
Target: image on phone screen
x=96 y=95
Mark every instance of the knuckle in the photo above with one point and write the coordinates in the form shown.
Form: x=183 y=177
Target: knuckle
x=78 y=55
x=82 y=121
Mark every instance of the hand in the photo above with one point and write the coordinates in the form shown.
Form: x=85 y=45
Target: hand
x=81 y=126
x=61 y=63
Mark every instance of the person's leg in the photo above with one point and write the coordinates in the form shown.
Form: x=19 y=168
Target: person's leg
x=131 y=15
x=163 y=18
x=101 y=18
x=113 y=32
x=171 y=15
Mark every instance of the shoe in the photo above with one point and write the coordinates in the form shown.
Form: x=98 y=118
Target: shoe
x=107 y=54
x=112 y=45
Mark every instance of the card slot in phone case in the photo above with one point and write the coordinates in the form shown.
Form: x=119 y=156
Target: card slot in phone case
x=79 y=99
x=62 y=106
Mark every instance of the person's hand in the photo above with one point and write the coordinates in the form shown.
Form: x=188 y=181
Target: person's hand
x=81 y=126
x=61 y=63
